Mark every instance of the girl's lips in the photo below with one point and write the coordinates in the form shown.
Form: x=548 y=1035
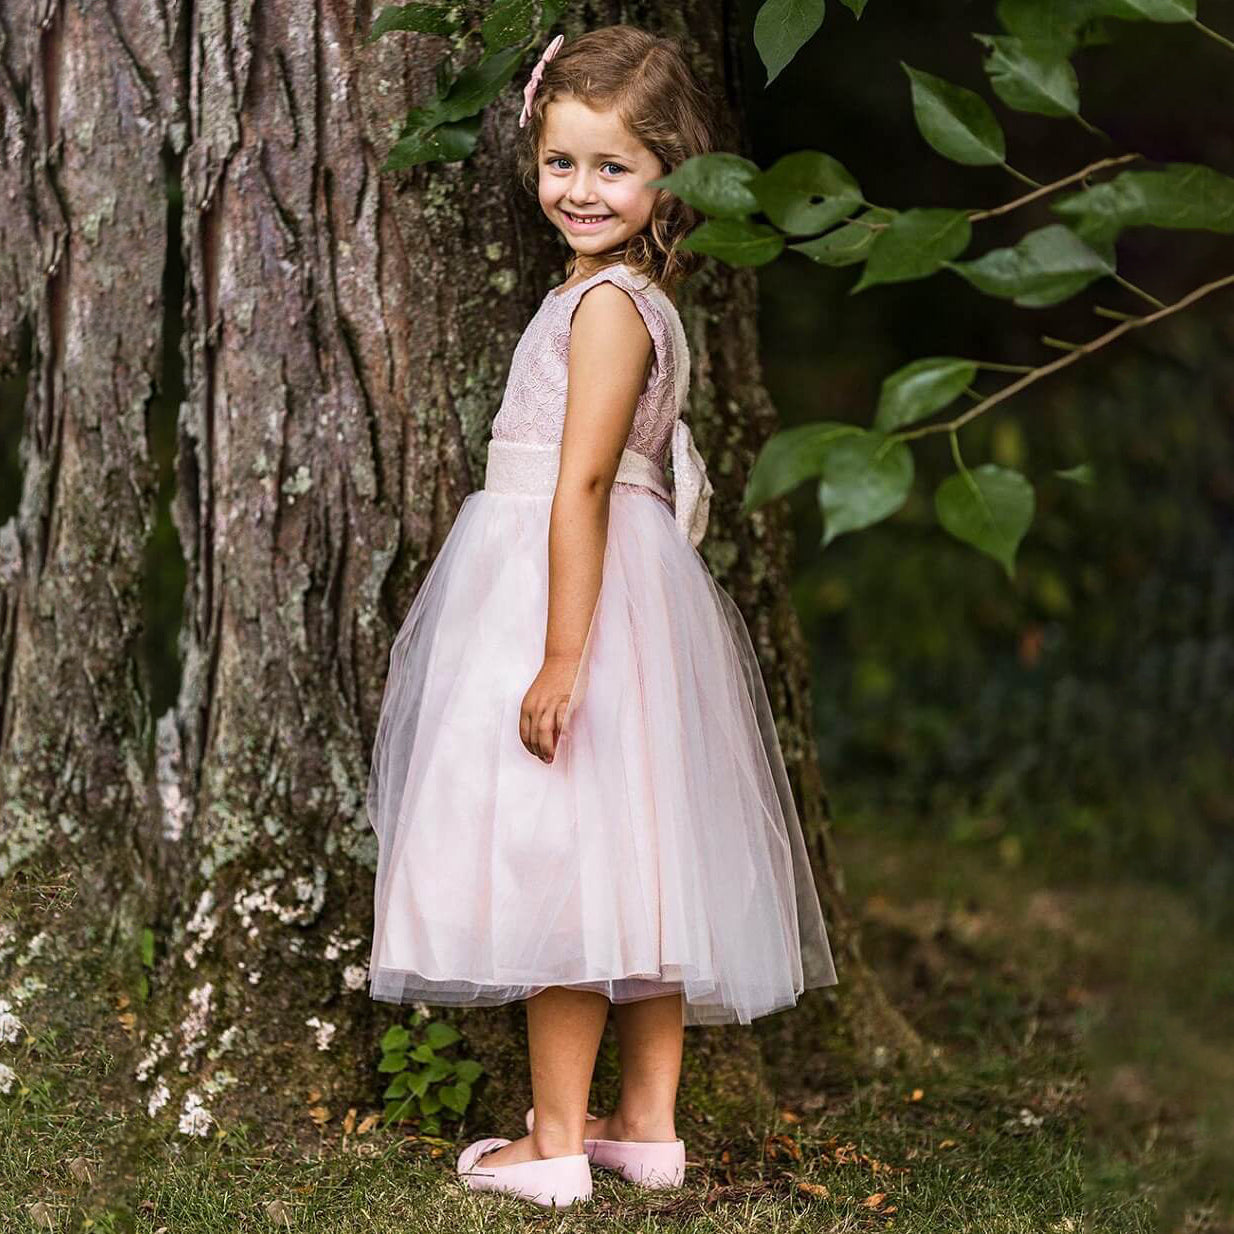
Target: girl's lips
x=575 y=225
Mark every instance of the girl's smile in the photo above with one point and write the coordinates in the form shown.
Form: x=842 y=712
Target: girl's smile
x=593 y=176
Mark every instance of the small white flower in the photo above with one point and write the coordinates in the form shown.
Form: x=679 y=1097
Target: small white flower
x=11 y=1028
x=354 y=976
x=158 y=1098
x=7 y=1078
x=325 y=1031
x=195 y=1119
x=159 y=1048
x=1029 y=1119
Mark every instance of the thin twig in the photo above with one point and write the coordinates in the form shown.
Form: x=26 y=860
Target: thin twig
x=1144 y=295
x=1212 y=34
x=1071 y=357
x=1019 y=175
x=1099 y=165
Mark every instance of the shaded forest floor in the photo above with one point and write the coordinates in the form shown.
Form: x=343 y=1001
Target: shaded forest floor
x=1010 y=978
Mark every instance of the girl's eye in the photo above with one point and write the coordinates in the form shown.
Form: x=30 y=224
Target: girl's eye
x=562 y=159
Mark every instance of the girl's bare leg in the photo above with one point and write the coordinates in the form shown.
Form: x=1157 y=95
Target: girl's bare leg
x=564 y=1028
x=649 y=1039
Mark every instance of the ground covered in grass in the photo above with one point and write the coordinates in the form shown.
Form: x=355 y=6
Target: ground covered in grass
x=1010 y=979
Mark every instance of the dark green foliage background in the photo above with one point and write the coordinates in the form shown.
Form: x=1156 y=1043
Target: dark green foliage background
x=1084 y=714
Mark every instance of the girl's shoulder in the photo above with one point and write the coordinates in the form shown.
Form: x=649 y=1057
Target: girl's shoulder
x=653 y=303
x=659 y=313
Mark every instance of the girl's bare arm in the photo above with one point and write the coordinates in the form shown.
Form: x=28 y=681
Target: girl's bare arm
x=610 y=357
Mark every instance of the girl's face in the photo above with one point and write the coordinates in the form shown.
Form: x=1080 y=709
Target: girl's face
x=593 y=176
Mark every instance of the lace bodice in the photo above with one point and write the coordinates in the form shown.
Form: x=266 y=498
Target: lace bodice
x=533 y=408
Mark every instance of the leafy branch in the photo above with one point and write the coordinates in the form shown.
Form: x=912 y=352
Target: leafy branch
x=813 y=205
x=1074 y=353
x=445 y=128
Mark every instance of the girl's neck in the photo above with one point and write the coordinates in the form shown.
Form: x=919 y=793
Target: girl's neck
x=582 y=273
x=584 y=270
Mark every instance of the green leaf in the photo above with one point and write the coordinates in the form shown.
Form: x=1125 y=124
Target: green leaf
x=919 y=389
x=551 y=13
x=717 y=184
x=455 y=1096
x=147 y=946
x=1081 y=473
x=1031 y=75
x=1057 y=22
x=847 y=245
x=1046 y=267
x=423 y=1053
x=782 y=28
x=418 y=1084
x=396 y=1061
x=448 y=144
x=788 y=192
x=1146 y=10
x=789 y=457
x=508 y=22
x=396 y=1037
x=738 y=242
x=479 y=84
x=430 y=1103
x=866 y=477
x=989 y=507
x=857 y=6
x=416 y=18
x=469 y=1070
x=957 y=122
x=398 y=1086
x=437 y=1070
x=1185 y=196
x=439 y=1034
x=915 y=244
x=396 y=1111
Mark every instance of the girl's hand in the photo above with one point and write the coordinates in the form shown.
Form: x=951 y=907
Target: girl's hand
x=544 y=705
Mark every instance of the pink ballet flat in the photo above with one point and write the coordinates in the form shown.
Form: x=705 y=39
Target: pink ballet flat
x=551 y=1182
x=649 y=1163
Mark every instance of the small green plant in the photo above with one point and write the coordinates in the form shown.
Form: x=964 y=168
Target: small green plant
x=423 y=1076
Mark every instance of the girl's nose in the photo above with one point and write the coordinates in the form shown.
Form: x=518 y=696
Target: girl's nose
x=580 y=188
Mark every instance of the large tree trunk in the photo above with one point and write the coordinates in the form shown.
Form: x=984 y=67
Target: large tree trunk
x=346 y=338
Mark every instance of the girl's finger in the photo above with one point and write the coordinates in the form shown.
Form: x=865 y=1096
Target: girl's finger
x=525 y=728
x=544 y=733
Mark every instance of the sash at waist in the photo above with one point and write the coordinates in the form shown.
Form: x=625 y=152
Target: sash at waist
x=523 y=467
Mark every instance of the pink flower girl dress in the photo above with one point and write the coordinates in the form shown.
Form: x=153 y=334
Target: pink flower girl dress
x=660 y=850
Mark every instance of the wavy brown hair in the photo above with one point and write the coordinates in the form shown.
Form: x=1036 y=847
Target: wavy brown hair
x=661 y=102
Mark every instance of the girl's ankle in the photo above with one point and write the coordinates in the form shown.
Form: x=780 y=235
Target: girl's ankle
x=641 y=1127
x=551 y=1143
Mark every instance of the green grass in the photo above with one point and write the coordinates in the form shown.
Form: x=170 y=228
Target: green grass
x=1008 y=978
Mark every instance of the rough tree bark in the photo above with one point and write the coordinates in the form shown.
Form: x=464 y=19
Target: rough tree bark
x=346 y=338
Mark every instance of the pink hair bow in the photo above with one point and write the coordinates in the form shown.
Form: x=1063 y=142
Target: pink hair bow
x=529 y=90
x=691 y=488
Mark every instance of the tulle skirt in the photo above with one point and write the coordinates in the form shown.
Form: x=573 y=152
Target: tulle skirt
x=660 y=851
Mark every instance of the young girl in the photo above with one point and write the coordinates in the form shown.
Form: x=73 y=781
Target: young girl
x=576 y=782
